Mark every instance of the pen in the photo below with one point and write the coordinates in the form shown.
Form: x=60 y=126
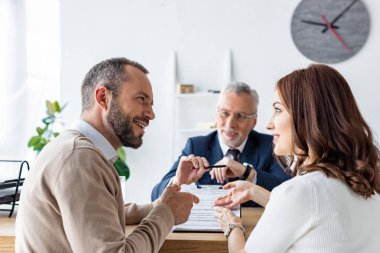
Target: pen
x=215 y=166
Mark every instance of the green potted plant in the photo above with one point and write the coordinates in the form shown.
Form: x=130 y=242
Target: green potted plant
x=120 y=165
x=47 y=133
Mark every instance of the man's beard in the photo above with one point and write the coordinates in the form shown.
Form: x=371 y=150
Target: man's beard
x=122 y=125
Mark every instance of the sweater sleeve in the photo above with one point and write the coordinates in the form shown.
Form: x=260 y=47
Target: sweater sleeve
x=93 y=218
x=135 y=213
x=152 y=231
x=289 y=214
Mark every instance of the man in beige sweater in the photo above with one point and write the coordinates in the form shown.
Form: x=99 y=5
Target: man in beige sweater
x=72 y=199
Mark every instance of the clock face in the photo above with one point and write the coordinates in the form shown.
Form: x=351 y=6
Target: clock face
x=330 y=31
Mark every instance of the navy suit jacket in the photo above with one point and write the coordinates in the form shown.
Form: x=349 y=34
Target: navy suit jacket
x=257 y=151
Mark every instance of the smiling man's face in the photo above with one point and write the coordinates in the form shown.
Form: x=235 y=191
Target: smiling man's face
x=233 y=131
x=131 y=111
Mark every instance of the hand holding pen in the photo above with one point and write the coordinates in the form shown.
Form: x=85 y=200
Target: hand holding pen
x=190 y=169
x=229 y=169
x=220 y=173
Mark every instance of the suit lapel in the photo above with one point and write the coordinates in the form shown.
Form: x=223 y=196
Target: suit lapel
x=214 y=151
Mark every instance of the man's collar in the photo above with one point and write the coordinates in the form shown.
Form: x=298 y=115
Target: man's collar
x=225 y=148
x=96 y=138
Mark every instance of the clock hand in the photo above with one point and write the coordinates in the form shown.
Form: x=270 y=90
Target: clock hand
x=335 y=33
x=317 y=23
x=340 y=15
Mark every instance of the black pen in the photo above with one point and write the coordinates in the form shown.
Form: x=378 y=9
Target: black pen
x=213 y=166
x=216 y=166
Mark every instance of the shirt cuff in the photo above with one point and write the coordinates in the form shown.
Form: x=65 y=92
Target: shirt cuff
x=254 y=181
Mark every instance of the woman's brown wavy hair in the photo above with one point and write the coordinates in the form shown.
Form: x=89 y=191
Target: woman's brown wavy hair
x=327 y=120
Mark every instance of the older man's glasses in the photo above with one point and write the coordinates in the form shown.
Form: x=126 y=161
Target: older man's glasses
x=239 y=116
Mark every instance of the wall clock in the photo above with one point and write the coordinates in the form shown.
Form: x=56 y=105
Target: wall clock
x=330 y=31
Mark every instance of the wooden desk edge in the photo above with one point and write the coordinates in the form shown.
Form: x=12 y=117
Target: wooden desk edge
x=250 y=216
x=176 y=242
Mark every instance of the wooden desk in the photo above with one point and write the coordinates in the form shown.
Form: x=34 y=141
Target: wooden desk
x=7 y=244
x=175 y=242
x=205 y=242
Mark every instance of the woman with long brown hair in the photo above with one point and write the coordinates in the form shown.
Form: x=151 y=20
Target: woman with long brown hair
x=332 y=203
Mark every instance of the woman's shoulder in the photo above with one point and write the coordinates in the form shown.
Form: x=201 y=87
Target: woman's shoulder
x=305 y=187
x=313 y=188
x=314 y=178
x=297 y=195
x=301 y=182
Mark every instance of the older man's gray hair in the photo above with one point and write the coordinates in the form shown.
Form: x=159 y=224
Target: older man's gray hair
x=240 y=87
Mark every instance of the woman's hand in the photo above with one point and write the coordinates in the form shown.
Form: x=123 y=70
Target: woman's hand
x=242 y=191
x=226 y=217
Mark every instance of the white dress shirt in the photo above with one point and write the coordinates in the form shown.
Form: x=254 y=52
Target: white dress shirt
x=96 y=138
x=225 y=149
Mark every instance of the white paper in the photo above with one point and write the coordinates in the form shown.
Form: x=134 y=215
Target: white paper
x=202 y=217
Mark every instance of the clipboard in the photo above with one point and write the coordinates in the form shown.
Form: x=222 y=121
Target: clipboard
x=202 y=217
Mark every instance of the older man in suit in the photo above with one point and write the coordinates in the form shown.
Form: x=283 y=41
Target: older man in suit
x=246 y=153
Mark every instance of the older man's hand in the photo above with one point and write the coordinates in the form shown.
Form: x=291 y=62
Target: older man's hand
x=190 y=169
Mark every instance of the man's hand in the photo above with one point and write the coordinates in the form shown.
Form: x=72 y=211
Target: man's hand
x=190 y=169
x=180 y=203
x=232 y=169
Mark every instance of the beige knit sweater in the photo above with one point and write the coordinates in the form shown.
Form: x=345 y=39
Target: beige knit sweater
x=72 y=202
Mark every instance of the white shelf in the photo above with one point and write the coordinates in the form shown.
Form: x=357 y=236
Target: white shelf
x=193 y=108
x=198 y=95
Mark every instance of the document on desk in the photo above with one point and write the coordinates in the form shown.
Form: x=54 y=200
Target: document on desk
x=202 y=217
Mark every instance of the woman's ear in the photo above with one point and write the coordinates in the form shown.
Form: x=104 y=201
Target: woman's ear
x=102 y=97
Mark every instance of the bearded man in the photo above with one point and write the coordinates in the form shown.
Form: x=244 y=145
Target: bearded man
x=72 y=200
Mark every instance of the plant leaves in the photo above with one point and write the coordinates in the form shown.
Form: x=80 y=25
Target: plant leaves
x=122 y=168
x=39 y=147
x=50 y=107
x=121 y=153
x=45 y=134
x=40 y=131
x=35 y=140
x=56 y=106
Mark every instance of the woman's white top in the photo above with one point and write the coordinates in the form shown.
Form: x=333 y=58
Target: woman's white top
x=314 y=213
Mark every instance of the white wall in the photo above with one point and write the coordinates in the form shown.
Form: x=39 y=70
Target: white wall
x=257 y=32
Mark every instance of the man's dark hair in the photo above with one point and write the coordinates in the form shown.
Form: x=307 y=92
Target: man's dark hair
x=109 y=73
